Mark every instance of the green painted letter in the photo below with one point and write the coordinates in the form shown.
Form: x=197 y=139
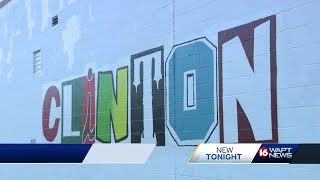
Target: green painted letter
x=112 y=110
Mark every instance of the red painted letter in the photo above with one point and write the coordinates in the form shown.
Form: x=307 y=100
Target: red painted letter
x=89 y=109
x=50 y=133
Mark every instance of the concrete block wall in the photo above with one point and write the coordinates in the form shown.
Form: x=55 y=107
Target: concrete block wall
x=170 y=72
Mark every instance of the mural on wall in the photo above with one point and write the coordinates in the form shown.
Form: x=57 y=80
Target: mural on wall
x=112 y=109
x=140 y=65
x=190 y=95
x=71 y=111
x=248 y=106
x=51 y=94
x=89 y=109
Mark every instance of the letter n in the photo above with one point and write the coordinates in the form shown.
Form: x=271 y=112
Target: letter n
x=112 y=109
x=248 y=82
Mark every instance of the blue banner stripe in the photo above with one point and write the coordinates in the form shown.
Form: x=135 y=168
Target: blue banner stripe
x=43 y=153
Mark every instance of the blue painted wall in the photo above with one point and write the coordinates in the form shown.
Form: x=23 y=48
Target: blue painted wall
x=256 y=78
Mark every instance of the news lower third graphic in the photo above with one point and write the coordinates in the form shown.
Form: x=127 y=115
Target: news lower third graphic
x=122 y=153
x=256 y=154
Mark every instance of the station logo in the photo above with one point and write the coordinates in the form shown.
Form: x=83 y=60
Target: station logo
x=284 y=152
x=275 y=153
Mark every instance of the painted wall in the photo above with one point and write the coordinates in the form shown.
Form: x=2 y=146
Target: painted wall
x=174 y=73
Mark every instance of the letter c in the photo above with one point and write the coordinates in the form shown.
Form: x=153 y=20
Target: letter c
x=50 y=133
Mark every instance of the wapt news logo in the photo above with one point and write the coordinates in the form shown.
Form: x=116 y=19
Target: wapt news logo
x=275 y=153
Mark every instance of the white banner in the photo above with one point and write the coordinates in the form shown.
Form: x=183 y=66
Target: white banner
x=119 y=153
x=224 y=153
